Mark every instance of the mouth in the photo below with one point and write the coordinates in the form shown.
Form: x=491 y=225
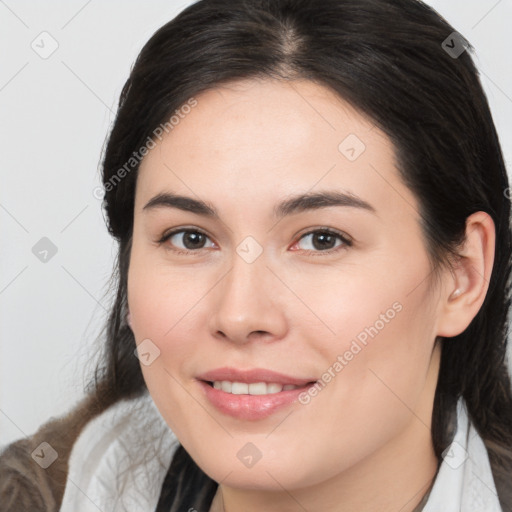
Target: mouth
x=251 y=401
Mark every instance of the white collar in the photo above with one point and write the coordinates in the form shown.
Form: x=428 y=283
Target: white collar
x=120 y=459
x=464 y=482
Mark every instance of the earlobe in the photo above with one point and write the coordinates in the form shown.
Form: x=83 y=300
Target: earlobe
x=466 y=286
x=129 y=319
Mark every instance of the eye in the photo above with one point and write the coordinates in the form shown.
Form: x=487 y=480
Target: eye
x=324 y=240
x=192 y=240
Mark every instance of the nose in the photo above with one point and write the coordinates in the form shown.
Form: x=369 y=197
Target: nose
x=248 y=304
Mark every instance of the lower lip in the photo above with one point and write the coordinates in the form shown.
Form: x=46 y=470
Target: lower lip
x=251 y=407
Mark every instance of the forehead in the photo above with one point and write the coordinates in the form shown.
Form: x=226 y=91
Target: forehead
x=269 y=138
x=253 y=116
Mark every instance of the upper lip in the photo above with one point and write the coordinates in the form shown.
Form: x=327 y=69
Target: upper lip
x=252 y=375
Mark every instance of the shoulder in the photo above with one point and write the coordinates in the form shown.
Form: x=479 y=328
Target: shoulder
x=120 y=459
x=23 y=484
x=33 y=469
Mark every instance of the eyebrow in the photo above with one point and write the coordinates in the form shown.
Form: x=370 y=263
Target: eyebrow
x=293 y=205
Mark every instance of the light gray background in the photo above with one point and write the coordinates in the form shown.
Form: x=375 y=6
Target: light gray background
x=55 y=115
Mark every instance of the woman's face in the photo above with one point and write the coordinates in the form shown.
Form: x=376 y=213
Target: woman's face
x=261 y=286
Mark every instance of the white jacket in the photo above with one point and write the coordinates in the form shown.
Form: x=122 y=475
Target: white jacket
x=108 y=471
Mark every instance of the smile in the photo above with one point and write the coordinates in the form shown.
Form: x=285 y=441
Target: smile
x=251 y=401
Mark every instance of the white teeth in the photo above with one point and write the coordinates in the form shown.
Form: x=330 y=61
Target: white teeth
x=239 y=388
x=255 y=388
x=274 y=388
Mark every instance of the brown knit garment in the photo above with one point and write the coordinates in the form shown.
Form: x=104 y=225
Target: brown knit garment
x=24 y=484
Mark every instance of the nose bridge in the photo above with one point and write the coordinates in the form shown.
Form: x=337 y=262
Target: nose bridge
x=246 y=301
x=245 y=286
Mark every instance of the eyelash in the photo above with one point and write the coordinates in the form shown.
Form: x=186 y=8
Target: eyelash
x=347 y=242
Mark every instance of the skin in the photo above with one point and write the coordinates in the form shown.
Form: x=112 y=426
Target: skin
x=245 y=147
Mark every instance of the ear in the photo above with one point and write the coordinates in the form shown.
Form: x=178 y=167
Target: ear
x=466 y=286
x=129 y=319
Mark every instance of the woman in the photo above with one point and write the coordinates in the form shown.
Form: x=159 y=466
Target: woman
x=310 y=201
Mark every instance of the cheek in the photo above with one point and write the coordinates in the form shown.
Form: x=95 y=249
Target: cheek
x=162 y=299
x=378 y=329
x=360 y=302
x=168 y=307
x=161 y=303
x=385 y=359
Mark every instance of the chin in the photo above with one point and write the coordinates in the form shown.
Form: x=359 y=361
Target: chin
x=270 y=475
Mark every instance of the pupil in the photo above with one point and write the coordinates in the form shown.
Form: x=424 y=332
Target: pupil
x=324 y=237
x=194 y=238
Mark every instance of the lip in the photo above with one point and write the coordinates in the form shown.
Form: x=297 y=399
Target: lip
x=251 y=407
